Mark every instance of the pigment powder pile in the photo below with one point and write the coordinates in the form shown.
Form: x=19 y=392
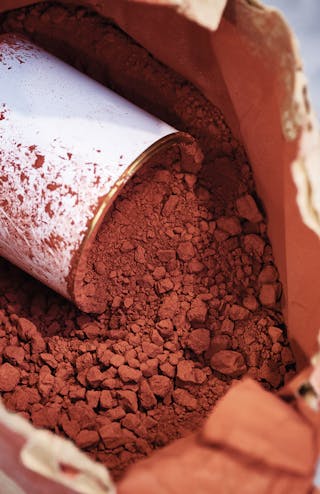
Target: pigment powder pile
x=181 y=269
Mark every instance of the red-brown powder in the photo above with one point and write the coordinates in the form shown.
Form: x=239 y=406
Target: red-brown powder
x=182 y=261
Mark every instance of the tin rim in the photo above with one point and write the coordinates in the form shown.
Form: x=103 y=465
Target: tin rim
x=79 y=262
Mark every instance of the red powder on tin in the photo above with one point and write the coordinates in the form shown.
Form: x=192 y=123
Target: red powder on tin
x=38 y=161
x=182 y=264
x=3 y=112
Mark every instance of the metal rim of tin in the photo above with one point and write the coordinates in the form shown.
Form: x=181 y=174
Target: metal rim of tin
x=79 y=269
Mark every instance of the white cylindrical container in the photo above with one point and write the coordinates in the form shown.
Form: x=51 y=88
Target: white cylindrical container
x=67 y=147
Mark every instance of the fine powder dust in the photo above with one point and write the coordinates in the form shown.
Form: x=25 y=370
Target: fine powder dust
x=182 y=261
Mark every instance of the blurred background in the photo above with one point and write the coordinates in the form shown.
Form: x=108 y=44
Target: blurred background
x=304 y=18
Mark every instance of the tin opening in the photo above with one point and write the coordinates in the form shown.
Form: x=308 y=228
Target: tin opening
x=90 y=296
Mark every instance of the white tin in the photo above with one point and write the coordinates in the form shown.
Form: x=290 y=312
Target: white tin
x=67 y=146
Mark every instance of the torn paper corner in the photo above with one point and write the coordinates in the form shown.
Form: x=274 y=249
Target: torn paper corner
x=57 y=459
